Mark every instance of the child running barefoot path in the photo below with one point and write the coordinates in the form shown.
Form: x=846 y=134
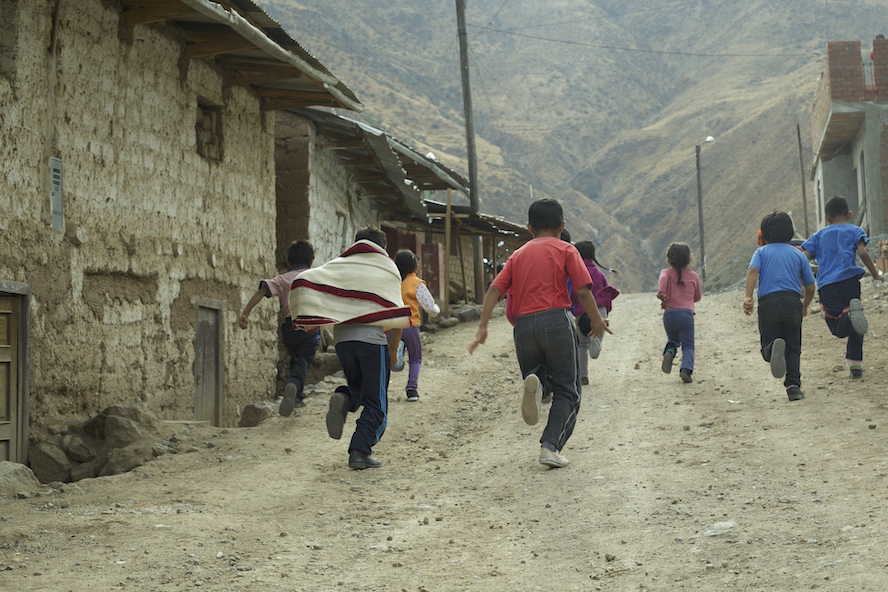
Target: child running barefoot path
x=836 y=248
x=780 y=270
x=678 y=289
x=545 y=338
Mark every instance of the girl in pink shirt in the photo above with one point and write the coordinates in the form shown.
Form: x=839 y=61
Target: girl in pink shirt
x=678 y=289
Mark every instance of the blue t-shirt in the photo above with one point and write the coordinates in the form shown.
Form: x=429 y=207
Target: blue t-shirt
x=835 y=249
x=782 y=268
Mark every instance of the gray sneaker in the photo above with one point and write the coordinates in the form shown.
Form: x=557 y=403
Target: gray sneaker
x=778 y=358
x=668 y=356
x=532 y=403
x=336 y=414
x=858 y=319
x=594 y=347
x=289 y=400
x=553 y=459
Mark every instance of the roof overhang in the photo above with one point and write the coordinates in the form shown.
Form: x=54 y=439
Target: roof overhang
x=842 y=126
x=476 y=222
x=254 y=48
x=366 y=153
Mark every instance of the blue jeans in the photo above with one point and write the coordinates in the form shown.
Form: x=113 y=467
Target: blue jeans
x=546 y=345
x=679 y=325
x=834 y=298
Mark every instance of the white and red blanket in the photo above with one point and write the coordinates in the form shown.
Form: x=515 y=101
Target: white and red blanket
x=361 y=286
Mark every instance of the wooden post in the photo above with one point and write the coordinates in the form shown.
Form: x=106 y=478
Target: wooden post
x=462 y=266
x=447 y=258
x=802 y=174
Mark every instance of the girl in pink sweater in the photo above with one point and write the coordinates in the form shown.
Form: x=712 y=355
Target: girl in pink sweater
x=678 y=289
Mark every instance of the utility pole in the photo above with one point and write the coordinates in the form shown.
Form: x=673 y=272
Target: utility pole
x=474 y=200
x=700 y=212
x=802 y=174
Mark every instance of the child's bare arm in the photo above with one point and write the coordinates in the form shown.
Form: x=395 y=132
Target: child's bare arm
x=752 y=275
x=490 y=299
x=868 y=262
x=599 y=325
x=806 y=302
x=393 y=346
x=261 y=293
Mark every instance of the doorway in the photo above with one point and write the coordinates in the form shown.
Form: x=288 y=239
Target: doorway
x=208 y=346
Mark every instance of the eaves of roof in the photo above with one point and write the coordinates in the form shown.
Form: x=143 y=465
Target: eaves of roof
x=367 y=154
x=250 y=45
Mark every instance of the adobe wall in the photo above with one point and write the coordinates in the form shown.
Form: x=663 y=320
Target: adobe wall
x=317 y=197
x=148 y=222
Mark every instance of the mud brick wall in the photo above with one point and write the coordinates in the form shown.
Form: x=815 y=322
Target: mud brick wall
x=149 y=222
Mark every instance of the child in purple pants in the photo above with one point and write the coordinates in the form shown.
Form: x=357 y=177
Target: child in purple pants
x=415 y=294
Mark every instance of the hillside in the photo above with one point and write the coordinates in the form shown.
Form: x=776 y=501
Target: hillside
x=600 y=104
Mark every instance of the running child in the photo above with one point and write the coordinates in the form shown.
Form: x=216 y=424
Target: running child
x=415 y=294
x=678 y=289
x=545 y=332
x=836 y=248
x=781 y=271
x=604 y=295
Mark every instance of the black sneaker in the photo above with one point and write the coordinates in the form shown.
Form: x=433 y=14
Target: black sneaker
x=778 y=358
x=360 y=461
x=856 y=371
x=412 y=395
x=794 y=393
x=584 y=380
x=685 y=375
x=337 y=413
x=668 y=356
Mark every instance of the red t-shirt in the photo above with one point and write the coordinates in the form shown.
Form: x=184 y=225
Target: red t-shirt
x=537 y=273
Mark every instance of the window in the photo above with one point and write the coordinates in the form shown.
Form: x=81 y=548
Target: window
x=209 y=130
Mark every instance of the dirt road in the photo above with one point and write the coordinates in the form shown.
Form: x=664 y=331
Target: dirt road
x=717 y=485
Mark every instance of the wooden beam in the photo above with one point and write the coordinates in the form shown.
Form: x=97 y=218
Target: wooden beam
x=447 y=259
x=212 y=48
x=297 y=102
x=262 y=77
x=144 y=16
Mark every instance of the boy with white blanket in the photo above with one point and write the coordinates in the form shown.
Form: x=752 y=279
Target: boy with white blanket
x=358 y=293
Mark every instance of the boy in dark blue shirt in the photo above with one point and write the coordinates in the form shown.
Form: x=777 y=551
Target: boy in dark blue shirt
x=836 y=248
x=780 y=270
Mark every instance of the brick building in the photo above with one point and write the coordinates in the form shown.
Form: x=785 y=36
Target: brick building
x=850 y=132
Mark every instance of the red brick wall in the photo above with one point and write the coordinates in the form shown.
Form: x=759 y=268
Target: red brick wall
x=880 y=69
x=845 y=71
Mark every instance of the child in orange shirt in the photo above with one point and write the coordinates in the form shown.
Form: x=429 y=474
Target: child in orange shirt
x=415 y=294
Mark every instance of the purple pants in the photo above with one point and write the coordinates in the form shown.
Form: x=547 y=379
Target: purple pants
x=413 y=345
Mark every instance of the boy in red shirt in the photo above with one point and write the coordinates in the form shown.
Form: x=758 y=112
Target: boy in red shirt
x=545 y=338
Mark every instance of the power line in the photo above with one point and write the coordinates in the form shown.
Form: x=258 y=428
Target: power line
x=638 y=50
x=598 y=18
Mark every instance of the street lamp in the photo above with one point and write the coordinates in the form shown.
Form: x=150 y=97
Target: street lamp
x=700 y=207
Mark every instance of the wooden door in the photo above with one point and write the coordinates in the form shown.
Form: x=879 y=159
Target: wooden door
x=9 y=382
x=208 y=366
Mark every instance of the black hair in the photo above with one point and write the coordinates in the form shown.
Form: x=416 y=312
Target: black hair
x=406 y=262
x=565 y=236
x=372 y=234
x=545 y=214
x=777 y=227
x=300 y=253
x=836 y=206
x=679 y=256
x=587 y=252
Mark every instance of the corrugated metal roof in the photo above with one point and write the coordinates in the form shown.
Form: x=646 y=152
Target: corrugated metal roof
x=249 y=43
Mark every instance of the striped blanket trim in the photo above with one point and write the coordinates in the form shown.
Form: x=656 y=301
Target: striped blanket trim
x=343 y=292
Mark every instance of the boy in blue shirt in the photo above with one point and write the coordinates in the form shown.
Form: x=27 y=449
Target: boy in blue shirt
x=836 y=248
x=780 y=270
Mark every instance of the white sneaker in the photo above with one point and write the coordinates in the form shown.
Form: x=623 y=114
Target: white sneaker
x=553 y=459
x=532 y=403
